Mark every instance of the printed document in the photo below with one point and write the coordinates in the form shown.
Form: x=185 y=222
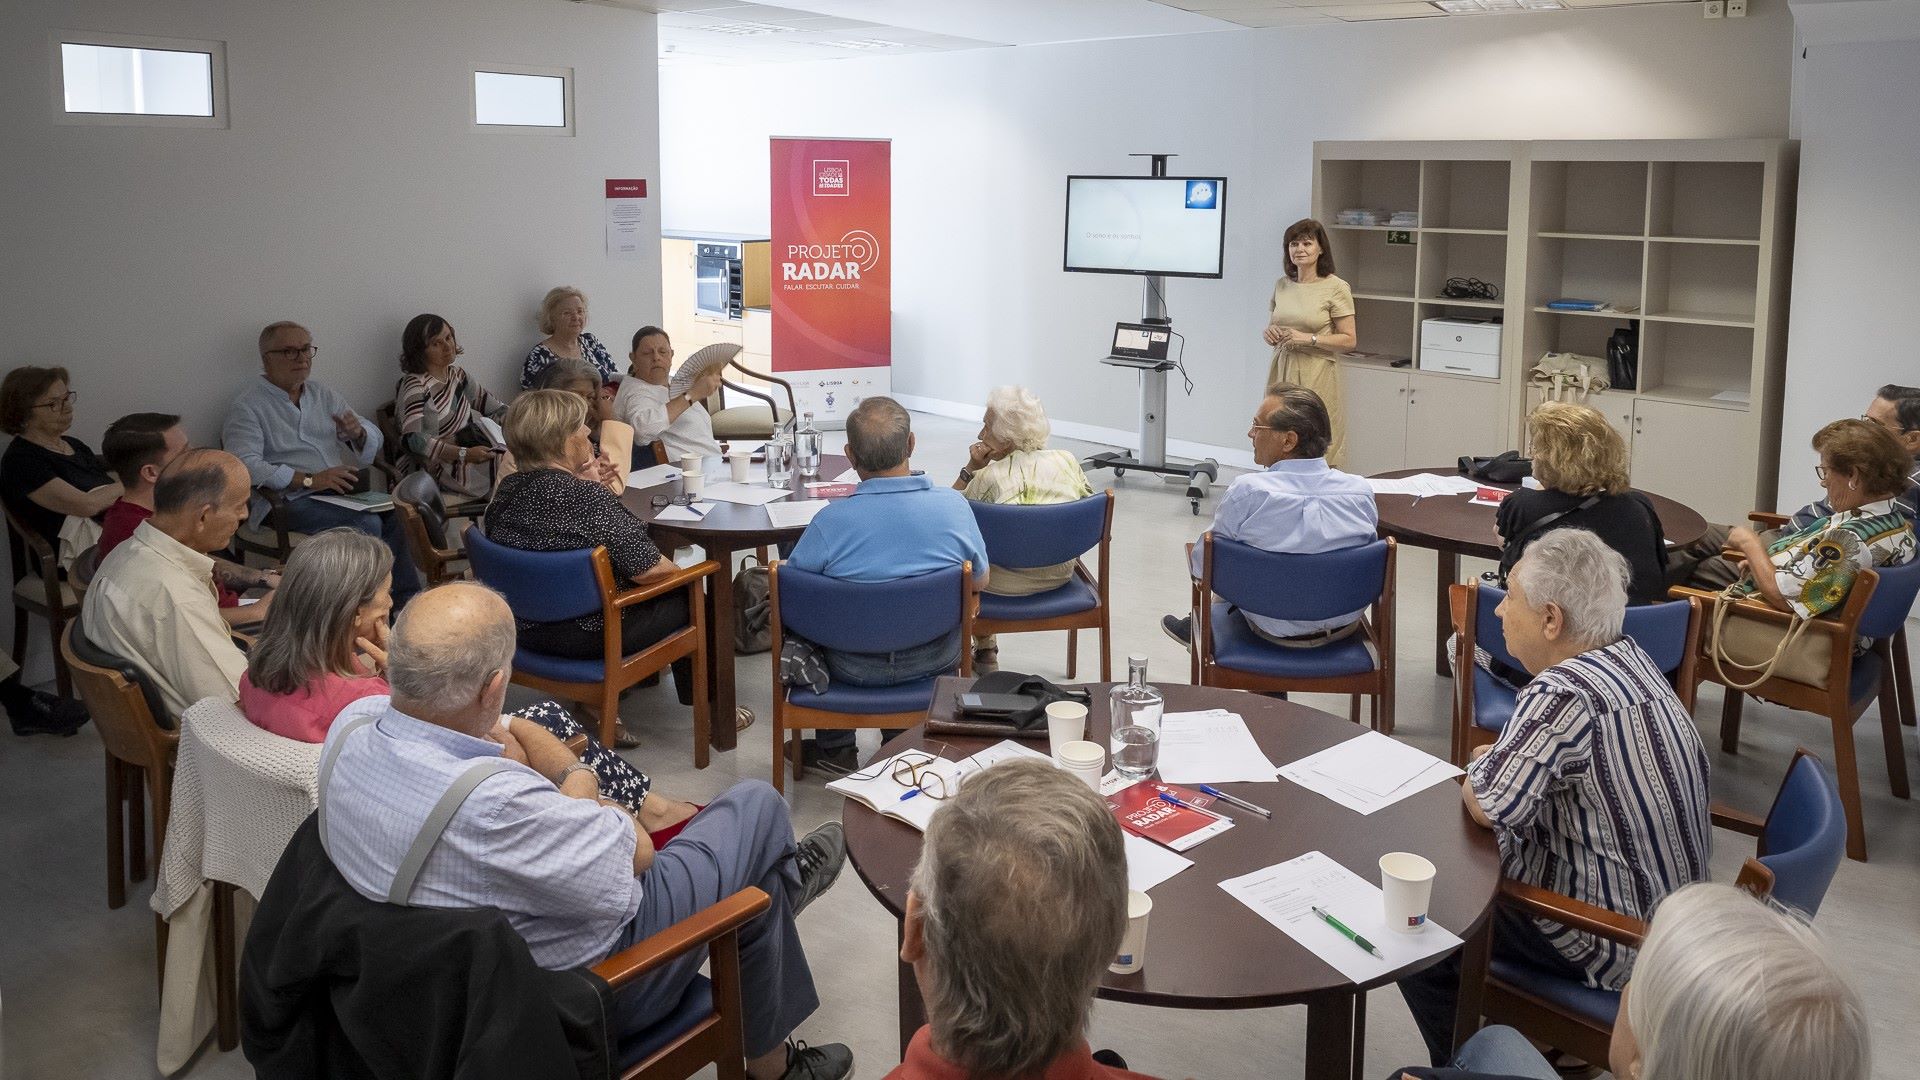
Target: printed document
x=1285 y=895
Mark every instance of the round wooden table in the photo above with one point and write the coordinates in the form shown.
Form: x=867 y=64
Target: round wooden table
x=1454 y=525
x=726 y=529
x=1205 y=949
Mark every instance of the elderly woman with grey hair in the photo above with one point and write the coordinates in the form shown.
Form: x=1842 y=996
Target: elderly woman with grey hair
x=323 y=647
x=612 y=439
x=1008 y=994
x=1597 y=788
x=1010 y=463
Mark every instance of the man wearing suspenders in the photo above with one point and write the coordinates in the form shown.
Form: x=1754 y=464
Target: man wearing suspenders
x=418 y=807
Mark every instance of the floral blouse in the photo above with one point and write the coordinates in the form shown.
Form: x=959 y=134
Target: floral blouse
x=542 y=358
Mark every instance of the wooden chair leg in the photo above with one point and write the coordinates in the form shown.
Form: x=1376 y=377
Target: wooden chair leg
x=1106 y=648
x=776 y=722
x=1903 y=676
x=116 y=836
x=62 y=678
x=19 y=636
x=1890 y=733
x=226 y=973
x=1073 y=653
x=1353 y=709
x=136 y=789
x=609 y=715
x=1847 y=772
x=703 y=717
x=1730 y=721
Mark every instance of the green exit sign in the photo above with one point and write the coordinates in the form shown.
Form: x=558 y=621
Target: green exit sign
x=1400 y=236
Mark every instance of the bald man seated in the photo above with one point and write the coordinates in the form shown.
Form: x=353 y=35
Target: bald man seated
x=573 y=872
x=153 y=601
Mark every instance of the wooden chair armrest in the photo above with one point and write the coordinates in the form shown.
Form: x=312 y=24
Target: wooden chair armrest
x=702 y=927
x=1457 y=606
x=1574 y=914
x=679 y=579
x=1754 y=606
x=1755 y=878
x=1726 y=817
x=578 y=743
x=1768 y=520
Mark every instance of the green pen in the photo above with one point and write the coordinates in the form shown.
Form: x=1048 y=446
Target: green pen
x=1346 y=933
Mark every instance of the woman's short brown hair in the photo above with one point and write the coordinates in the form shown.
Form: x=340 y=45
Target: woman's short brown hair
x=22 y=386
x=1864 y=451
x=540 y=423
x=1575 y=450
x=1309 y=227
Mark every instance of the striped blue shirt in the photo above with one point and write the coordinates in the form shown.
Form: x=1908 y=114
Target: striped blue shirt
x=560 y=868
x=1597 y=789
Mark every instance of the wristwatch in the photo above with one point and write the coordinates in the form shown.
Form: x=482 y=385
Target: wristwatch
x=306 y=481
x=966 y=475
x=1314 y=338
x=567 y=772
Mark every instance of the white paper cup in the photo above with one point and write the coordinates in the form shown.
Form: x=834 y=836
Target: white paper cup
x=1406 y=886
x=689 y=463
x=1066 y=722
x=1133 y=944
x=738 y=462
x=1086 y=760
x=692 y=483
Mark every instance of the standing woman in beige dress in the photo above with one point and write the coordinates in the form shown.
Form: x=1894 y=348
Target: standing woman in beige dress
x=1309 y=322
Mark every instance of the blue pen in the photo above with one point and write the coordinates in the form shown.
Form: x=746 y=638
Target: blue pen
x=1235 y=800
x=1168 y=796
x=910 y=794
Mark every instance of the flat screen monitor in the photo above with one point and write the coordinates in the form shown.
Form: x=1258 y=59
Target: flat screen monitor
x=1167 y=225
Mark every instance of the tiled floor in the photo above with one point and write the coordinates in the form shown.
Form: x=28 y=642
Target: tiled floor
x=77 y=980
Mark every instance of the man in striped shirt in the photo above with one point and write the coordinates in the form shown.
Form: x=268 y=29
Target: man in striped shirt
x=1597 y=788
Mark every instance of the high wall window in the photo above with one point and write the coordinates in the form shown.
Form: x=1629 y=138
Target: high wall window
x=525 y=99
x=120 y=79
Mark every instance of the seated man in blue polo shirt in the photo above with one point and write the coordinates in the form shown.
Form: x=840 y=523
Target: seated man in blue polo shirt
x=895 y=525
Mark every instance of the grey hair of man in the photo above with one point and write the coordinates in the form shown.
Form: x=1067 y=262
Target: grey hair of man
x=879 y=435
x=1728 y=987
x=438 y=657
x=194 y=479
x=1575 y=571
x=309 y=627
x=1022 y=886
x=1015 y=418
x=571 y=375
x=1302 y=412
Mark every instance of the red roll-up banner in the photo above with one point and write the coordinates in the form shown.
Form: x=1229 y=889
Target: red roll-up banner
x=832 y=219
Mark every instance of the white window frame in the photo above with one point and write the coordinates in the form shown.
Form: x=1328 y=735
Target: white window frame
x=564 y=74
x=218 y=70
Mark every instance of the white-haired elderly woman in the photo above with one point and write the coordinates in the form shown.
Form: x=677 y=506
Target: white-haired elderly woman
x=563 y=318
x=323 y=647
x=1007 y=994
x=1597 y=788
x=1726 y=987
x=1009 y=463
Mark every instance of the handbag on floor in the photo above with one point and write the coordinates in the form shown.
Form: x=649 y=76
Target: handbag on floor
x=1747 y=650
x=752 y=609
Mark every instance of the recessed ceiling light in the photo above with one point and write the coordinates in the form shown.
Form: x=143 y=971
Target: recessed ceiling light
x=744 y=29
x=857 y=43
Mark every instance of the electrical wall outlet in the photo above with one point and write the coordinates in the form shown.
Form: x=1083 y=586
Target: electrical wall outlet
x=1714 y=9
x=1736 y=9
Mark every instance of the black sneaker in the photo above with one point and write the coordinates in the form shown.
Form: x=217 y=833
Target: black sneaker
x=821 y=854
x=838 y=762
x=1179 y=628
x=830 y=1062
x=42 y=713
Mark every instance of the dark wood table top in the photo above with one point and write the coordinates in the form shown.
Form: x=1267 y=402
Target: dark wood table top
x=727 y=524
x=1205 y=949
x=1455 y=523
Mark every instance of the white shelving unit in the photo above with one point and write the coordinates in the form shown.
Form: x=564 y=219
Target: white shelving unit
x=1688 y=239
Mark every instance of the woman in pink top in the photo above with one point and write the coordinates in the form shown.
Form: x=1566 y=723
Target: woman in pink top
x=323 y=647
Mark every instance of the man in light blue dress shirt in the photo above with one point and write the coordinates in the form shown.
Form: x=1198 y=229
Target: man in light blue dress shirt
x=895 y=525
x=1298 y=505
x=301 y=438
x=573 y=872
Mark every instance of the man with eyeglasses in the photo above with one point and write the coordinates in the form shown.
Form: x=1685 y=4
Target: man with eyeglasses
x=299 y=437
x=1894 y=407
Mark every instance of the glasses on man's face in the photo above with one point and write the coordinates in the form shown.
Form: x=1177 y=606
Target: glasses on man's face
x=294 y=352
x=62 y=401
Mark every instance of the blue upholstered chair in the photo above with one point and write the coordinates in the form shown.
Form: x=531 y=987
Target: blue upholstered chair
x=1800 y=845
x=863 y=617
x=1028 y=537
x=1227 y=653
x=1483 y=703
x=552 y=586
x=1885 y=625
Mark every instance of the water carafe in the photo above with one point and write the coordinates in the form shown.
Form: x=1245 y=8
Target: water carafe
x=806 y=449
x=780 y=457
x=1134 y=712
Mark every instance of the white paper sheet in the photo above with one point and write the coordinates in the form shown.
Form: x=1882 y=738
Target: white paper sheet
x=1211 y=747
x=848 y=477
x=347 y=502
x=1149 y=864
x=658 y=474
x=697 y=512
x=492 y=428
x=1286 y=893
x=1363 y=775
x=744 y=494
x=1423 y=485
x=788 y=515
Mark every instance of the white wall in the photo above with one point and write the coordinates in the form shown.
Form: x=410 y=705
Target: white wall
x=349 y=194
x=1852 y=327
x=982 y=141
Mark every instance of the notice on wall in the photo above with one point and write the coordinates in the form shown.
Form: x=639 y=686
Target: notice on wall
x=832 y=295
x=629 y=232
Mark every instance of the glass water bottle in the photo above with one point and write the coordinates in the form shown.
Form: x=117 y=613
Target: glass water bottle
x=1134 y=710
x=806 y=449
x=780 y=457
